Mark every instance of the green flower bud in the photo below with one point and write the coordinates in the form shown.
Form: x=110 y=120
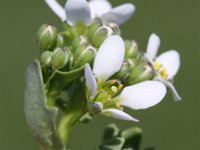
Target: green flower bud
x=131 y=48
x=86 y=55
x=79 y=44
x=45 y=59
x=96 y=24
x=46 y=37
x=60 y=58
x=100 y=35
x=115 y=28
x=140 y=73
x=60 y=41
x=123 y=73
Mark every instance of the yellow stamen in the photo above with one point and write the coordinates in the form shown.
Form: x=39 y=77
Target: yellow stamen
x=114 y=89
x=118 y=105
x=109 y=97
x=156 y=65
x=164 y=73
x=120 y=86
x=113 y=81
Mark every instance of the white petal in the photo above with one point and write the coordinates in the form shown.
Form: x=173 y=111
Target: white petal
x=171 y=61
x=90 y=81
x=119 y=14
x=99 y=7
x=77 y=11
x=173 y=90
x=143 y=95
x=153 y=46
x=109 y=58
x=118 y=114
x=57 y=9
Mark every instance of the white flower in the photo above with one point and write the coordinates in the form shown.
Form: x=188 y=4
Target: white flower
x=165 y=65
x=108 y=61
x=83 y=11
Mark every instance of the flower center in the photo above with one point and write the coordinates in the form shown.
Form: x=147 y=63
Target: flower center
x=161 y=70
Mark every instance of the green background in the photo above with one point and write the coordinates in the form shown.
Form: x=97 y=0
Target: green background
x=168 y=126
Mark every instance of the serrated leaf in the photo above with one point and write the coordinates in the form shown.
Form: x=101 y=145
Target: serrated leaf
x=113 y=144
x=60 y=80
x=39 y=118
x=133 y=137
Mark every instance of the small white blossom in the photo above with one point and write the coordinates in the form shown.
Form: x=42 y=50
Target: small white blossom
x=83 y=11
x=165 y=65
x=108 y=61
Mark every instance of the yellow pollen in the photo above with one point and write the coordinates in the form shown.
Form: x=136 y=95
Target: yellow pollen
x=164 y=73
x=109 y=97
x=99 y=81
x=156 y=65
x=118 y=105
x=101 y=90
x=114 y=89
x=120 y=86
x=113 y=81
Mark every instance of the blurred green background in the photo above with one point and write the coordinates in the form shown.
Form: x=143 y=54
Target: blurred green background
x=168 y=126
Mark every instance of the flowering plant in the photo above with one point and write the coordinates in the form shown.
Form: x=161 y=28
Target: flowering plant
x=89 y=69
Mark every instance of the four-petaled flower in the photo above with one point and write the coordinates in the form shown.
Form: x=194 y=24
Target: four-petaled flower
x=82 y=11
x=165 y=66
x=107 y=62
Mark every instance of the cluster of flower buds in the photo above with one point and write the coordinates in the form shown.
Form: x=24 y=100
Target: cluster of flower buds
x=101 y=72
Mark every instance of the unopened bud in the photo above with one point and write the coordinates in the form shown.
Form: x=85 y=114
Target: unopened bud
x=46 y=37
x=60 y=58
x=123 y=73
x=115 y=28
x=100 y=35
x=140 y=73
x=95 y=25
x=87 y=55
x=131 y=48
x=45 y=59
x=60 y=41
x=79 y=43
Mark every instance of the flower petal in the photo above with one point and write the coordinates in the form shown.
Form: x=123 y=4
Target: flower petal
x=77 y=11
x=143 y=95
x=153 y=46
x=118 y=114
x=109 y=58
x=90 y=81
x=175 y=94
x=119 y=14
x=99 y=7
x=57 y=9
x=171 y=61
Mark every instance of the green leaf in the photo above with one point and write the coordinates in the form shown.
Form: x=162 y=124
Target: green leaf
x=60 y=80
x=39 y=117
x=110 y=132
x=113 y=144
x=133 y=137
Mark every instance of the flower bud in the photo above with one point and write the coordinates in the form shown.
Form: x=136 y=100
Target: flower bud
x=45 y=59
x=100 y=35
x=79 y=43
x=140 y=73
x=131 y=48
x=123 y=73
x=46 y=37
x=60 y=58
x=60 y=41
x=115 y=28
x=95 y=25
x=86 y=55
